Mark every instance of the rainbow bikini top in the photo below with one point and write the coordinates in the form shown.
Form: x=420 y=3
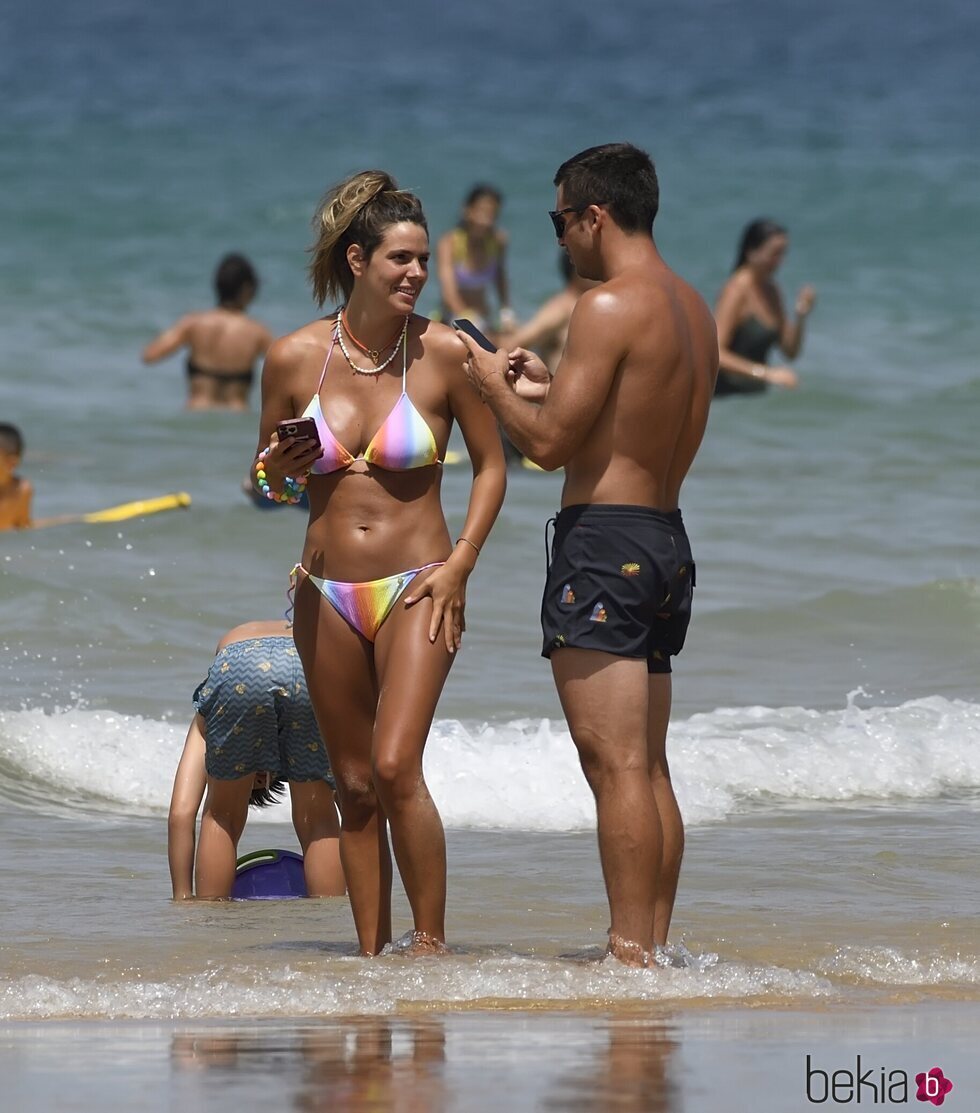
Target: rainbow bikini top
x=403 y=442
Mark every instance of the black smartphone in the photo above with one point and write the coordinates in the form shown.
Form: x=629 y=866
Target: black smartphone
x=461 y=324
x=299 y=428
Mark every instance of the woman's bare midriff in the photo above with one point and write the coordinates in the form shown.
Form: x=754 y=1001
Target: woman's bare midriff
x=366 y=523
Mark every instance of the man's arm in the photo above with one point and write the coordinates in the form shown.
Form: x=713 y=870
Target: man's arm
x=189 y=784
x=550 y=434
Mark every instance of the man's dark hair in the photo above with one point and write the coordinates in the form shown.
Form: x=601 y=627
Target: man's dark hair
x=263 y=797
x=618 y=175
x=234 y=273
x=755 y=235
x=10 y=439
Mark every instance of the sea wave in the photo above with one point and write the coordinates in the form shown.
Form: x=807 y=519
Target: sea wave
x=523 y=775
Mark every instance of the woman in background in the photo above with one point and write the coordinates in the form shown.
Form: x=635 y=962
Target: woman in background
x=223 y=343
x=751 y=318
x=472 y=260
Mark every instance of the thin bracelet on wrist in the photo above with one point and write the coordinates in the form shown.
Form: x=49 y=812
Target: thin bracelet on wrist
x=470 y=543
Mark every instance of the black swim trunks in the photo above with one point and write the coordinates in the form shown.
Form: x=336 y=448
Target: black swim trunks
x=620 y=580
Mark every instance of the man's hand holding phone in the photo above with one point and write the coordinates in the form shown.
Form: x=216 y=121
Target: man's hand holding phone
x=485 y=359
x=528 y=375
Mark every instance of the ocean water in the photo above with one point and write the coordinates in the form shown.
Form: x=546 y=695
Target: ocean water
x=826 y=725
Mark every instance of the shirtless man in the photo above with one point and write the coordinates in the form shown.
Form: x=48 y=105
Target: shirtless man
x=624 y=416
x=224 y=343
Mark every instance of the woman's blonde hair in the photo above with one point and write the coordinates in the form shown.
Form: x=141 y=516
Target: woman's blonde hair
x=358 y=210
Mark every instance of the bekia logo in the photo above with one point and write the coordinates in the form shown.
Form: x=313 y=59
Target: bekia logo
x=874 y=1086
x=933 y=1086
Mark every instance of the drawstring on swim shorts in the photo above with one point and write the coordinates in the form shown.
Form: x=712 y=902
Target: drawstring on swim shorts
x=549 y=549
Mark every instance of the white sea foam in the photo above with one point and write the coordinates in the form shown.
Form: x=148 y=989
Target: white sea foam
x=890 y=966
x=524 y=775
x=354 y=986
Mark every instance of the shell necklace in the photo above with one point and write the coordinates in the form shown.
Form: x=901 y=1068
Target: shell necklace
x=375 y=355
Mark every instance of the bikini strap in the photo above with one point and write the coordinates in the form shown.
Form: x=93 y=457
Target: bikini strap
x=333 y=342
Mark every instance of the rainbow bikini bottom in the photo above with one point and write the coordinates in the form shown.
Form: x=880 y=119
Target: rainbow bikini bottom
x=365 y=605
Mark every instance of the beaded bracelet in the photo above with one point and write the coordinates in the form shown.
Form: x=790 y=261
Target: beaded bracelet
x=292 y=488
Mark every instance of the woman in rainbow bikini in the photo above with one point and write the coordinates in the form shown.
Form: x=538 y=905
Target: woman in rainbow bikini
x=381 y=587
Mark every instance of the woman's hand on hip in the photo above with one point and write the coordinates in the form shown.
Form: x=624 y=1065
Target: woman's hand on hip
x=446 y=586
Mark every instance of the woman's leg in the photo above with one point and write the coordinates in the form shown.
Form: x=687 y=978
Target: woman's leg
x=411 y=674
x=340 y=676
x=318 y=830
x=225 y=812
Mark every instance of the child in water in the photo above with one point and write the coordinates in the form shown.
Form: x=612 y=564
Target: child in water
x=15 y=492
x=254 y=729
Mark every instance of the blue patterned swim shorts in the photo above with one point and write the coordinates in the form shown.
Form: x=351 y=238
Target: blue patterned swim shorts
x=257 y=714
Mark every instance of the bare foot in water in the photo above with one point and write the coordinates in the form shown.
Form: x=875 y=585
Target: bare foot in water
x=421 y=943
x=416 y=943
x=628 y=951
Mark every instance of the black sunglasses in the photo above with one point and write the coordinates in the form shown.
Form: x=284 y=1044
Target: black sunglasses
x=558 y=215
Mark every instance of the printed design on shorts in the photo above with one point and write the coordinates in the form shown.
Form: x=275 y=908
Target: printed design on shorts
x=558 y=641
x=598 y=613
x=630 y=568
x=258 y=716
x=567 y=595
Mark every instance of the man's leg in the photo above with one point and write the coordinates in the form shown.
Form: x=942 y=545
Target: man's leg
x=604 y=698
x=672 y=825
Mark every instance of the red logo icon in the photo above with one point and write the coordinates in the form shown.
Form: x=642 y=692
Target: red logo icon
x=933 y=1086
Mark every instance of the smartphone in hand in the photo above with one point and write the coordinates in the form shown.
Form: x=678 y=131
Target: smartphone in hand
x=299 y=428
x=461 y=324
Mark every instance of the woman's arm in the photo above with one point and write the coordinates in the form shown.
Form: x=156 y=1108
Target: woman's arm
x=188 y=792
x=279 y=374
x=791 y=337
x=728 y=314
x=447 y=585
x=169 y=341
x=447 y=277
x=507 y=318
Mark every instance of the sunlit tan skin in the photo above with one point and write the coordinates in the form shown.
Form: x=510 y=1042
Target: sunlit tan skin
x=16 y=494
x=624 y=416
x=314 y=813
x=480 y=224
x=752 y=291
x=224 y=341
x=375 y=701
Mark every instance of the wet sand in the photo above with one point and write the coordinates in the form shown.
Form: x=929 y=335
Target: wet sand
x=669 y=1060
